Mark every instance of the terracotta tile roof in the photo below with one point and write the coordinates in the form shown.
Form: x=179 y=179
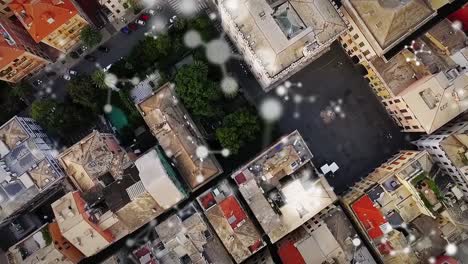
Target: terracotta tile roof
x=369 y=216
x=42 y=17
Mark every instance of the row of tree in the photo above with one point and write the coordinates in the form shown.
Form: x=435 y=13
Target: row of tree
x=205 y=101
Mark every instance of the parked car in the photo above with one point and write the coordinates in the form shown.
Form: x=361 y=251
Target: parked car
x=125 y=30
x=103 y=49
x=132 y=26
x=173 y=19
x=140 y=22
x=144 y=17
x=69 y=74
x=90 y=58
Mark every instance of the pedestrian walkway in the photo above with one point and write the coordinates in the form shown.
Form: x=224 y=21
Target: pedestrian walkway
x=179 y=5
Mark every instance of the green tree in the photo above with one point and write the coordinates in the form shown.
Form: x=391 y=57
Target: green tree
x=23 y=91
x=83 y=91
x=197 y=92
x=238 y=129
x=90 y=36
x=62 y=119
x=99 y=79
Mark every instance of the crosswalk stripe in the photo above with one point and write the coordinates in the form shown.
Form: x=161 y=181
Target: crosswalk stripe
x=176 y=5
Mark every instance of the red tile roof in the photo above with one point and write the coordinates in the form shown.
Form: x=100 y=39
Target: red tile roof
x=461 y=15
x=289 y=254
x=446 y=260
x=8 y=52
x=63 y=245
x=42 y=17
x=370 y=217
x=232 y=211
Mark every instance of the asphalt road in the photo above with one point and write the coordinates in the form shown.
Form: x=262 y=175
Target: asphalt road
x=120 y=45
x=360 y=141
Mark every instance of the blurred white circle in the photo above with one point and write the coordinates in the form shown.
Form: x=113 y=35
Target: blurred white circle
x=188 y=7
x=451 y=249
x=271 y=109
x=225 y=152
x=202 y=152
x=356 y=241
x=199 y=178
x=192 y=39
x=457 y=25
x=229 y=86
x=135 y=80
x=110 y=80
x=281 y=90
x=218 y=51
x=107 y=108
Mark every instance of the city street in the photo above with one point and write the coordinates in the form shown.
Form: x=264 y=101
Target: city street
x=120 y=46
x=360 y=141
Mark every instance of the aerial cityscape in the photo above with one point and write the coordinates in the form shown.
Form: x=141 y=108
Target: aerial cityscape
x=234 y=131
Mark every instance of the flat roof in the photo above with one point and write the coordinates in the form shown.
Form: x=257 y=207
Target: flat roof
x=233 y=226
x=278 y=34
x=282 y=187
x=390 y=20
x=177 y=134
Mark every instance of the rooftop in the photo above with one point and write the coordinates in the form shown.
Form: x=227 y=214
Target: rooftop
x=42 y=17
x=278 y=33
x=230 y=221
x=390 y=20
x=178 y=136
x=282 y=187
x=186 y=236
x=456 y=147
x=94 y=158
x=452 y=40
x=9 y=50
x=329 y=237
x=25 y=168
x=148 y=190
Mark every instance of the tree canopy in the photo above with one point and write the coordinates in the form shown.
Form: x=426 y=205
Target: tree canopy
x=99 y=79
x=197 y=92
x=83 y=91
x=238 y=128
x=90 y=37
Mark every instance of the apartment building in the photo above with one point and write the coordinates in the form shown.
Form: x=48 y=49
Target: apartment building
x=79 y=226
x=28 y=168
x=230 y=221
x=328 y=237
x=399 y=204
x=55 y=23
x=278 y=38
x=20 y=55
x=178 y=136
x=120 y=195
x=448 y=146
x=426 y=89
x=44 y=246
x=117 y=8
x=386 y=23
x=282 y=187
x=186 y=237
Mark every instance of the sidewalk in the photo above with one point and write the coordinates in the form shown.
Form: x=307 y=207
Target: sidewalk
x=65 y=62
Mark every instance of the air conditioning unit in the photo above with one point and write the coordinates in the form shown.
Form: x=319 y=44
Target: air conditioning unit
x=452 y=74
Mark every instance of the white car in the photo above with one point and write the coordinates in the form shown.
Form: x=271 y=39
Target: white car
x=172 y=19
x=67 y=76
x=140 y=22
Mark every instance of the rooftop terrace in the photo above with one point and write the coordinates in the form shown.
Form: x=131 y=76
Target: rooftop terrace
x=230 y=221
x=282 y=187
x=278 y=33
x=178 y=136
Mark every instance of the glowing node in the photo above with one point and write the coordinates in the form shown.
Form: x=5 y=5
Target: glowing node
x=431 y=260
x=451 y=249
x=107 y=108
x=229 y=86
x=225 y=152
x=192 y=39
x=110 y=80
x=199 y=178
x=356 y=242
x=188 y=7
x=130 y=242
x=218 y=51
x=135 y=80
x=457 y=25
x=271 y=109
x=281 y=90
x=202 y=152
